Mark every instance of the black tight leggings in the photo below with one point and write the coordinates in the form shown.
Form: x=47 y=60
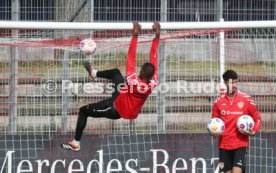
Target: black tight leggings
x=102 y=109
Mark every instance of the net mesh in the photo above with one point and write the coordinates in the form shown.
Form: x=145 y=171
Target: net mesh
x=43 y=84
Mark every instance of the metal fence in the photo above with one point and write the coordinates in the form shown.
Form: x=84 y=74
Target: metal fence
x=29 y=110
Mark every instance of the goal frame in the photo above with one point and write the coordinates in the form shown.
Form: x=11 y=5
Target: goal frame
x=128 y=25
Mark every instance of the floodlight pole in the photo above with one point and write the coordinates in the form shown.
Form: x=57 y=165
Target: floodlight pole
x=65 y=69
x=13 y=85
x=161 y=96
x=221 y=55
x=221 y=43
x=65 y=93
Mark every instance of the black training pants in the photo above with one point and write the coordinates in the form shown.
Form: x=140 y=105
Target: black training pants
x=102 y=109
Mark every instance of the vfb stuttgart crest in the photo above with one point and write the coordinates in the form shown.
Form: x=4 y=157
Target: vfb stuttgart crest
x=240 y=104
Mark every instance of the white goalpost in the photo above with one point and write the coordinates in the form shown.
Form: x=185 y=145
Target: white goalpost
x=128 y=25
x=43 y=84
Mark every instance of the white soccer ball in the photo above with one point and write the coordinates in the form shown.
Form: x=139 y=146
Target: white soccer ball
x=245 y=122
x=88 y=46
x=216 y=126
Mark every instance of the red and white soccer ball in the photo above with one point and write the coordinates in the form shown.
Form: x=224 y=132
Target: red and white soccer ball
x=245 y=122
x=88 y=46
x=215 y=126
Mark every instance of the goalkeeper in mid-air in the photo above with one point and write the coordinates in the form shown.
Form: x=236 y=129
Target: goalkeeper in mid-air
x=128 y=96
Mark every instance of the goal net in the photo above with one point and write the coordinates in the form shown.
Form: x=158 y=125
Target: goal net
x=44 y=83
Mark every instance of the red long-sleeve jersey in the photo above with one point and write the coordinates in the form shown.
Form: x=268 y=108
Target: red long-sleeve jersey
x=229 y=110
x=135 y=92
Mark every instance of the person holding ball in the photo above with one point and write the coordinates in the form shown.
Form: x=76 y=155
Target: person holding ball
x=234 y=142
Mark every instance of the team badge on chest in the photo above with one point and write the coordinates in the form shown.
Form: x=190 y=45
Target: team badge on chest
x=240 y=104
